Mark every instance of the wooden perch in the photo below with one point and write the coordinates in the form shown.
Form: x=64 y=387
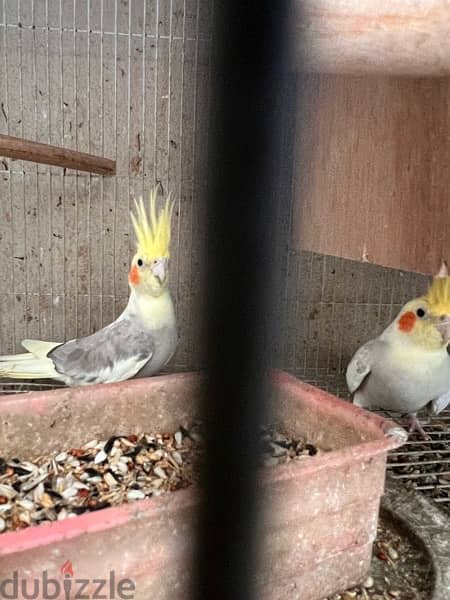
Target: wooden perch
x=392 y=37
x=17 y=148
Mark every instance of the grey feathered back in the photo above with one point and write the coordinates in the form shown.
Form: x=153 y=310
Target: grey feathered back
x=93 y=358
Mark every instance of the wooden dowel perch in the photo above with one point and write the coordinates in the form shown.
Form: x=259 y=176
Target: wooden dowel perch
x=18 y=148
x=391 y=37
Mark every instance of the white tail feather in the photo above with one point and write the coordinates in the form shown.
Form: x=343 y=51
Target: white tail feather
x=15 y=357
x=38 y=348
x=30 y=368
x=31 y=365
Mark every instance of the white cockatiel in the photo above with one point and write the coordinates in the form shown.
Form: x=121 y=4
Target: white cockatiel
x=408 y=366
x=138 y=343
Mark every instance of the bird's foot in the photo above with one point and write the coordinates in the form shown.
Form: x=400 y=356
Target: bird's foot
x=414 y=425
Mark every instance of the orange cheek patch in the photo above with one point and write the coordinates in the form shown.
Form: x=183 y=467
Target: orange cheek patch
x=133 y=276
x=406 y=322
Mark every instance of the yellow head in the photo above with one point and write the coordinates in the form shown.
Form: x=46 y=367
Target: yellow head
x=149 y=267
x=426 y=320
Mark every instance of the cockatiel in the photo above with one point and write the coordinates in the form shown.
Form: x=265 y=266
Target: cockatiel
x=138 y=343
x=408 y=366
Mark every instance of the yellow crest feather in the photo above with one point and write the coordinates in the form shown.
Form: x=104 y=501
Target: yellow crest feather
x=438 y=295
x=153 y=234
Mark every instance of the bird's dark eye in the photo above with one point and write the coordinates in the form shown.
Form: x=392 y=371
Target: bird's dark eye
x=420 y=313
x=140 y=262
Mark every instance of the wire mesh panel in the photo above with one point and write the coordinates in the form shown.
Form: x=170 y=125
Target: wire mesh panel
x=13 y=387
x=423 y=465
x=126 y=80
x=334 y=305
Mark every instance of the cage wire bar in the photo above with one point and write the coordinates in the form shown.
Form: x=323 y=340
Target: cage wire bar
x=243 y=271
x=421 y=465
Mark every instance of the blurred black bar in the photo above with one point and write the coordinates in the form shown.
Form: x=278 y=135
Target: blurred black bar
x=243 y=277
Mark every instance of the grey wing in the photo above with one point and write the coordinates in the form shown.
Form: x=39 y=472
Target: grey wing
x=360 y=366
x=114 y=353
x=438 y=404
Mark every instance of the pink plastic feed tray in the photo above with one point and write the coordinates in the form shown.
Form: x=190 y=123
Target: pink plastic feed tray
x=320 y=514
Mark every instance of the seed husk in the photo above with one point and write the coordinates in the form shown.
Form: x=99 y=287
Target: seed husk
x=100 y=457
x=103 y=473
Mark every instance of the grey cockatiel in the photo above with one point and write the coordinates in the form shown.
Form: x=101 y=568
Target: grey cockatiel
x=408 y=366
x=138 y=343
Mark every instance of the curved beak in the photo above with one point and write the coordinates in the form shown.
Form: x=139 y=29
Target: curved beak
x=160 y=270
x=443 y=326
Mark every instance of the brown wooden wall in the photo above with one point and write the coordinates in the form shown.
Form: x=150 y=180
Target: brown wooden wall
x=372 y=174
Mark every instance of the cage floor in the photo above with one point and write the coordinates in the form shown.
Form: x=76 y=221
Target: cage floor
x=423 y=465
x=14 y=387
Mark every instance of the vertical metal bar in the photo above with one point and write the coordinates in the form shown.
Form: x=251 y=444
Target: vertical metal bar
x=102 y=189
x=242 y=274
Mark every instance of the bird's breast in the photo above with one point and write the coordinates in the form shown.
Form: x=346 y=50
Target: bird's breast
x=405 y=380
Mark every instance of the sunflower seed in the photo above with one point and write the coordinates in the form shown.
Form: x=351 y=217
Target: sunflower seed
x=393 y=554
x=110 y=443
x=91 y=444
x=38 y=492
x=109 y=480
x=25 y=503
x=7 y=491
x=95 y=479
x=160 y=473
x=70 y=492
x=177 y=457
x=79 y=485
x=135 y=495
x=100 y=457
x=62 y=514
x=155 y=456
x=121 y=466
x=25 y=518
x=22 y=472
x=27 y=487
